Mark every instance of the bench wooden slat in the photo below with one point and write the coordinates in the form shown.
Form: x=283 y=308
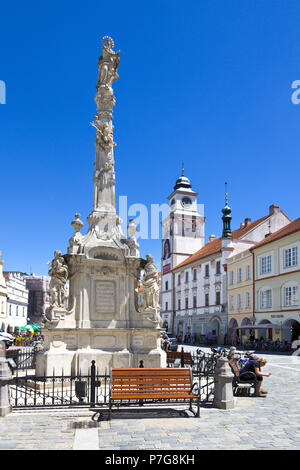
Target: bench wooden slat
x=137 y=380
x=148 y=372
x=136 y=384
x=144 y=396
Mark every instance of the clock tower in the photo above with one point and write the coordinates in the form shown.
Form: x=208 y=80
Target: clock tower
x=182 y=236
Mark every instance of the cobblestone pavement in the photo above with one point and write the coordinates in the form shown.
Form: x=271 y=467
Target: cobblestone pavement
x=255 y=423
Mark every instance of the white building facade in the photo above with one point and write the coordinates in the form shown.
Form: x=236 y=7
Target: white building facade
x=3 y=297
x=182 y=235
x=17 y=300
x=200 y=285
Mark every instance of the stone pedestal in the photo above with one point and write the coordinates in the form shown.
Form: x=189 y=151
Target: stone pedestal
x=223 y=397
x=72 y=350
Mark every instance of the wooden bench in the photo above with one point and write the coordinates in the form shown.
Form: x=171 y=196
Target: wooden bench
x=185 y=357
x=241 y=385
x=136 y=385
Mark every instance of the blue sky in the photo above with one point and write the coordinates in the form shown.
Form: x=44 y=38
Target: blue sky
x=207 y=82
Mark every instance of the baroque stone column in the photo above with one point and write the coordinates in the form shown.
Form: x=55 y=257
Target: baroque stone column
x=103 y=219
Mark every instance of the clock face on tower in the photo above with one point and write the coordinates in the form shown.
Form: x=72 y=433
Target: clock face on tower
x=186 y=202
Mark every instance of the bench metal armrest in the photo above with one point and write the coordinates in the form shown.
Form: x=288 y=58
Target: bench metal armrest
x=196 y=386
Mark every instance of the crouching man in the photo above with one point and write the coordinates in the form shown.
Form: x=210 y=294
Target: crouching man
x=255 y=367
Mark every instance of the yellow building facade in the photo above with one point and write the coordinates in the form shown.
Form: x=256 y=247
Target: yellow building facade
x=240 y=293
x=277 y=283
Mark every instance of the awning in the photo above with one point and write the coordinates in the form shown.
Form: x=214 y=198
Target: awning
x=262 y=326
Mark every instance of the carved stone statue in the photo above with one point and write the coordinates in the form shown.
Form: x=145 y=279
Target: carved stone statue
x=104 y=136
x=150 y=289
x=59 y=276
x=108 y=64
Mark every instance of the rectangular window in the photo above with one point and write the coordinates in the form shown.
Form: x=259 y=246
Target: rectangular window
x=167 y=285
x=187 y=276
x=265 y=264
x=290 y=296
x=291 y=257
x=179 y=279
x=248 y=272
x=186 y=303
x=206 y=270
x=179 y=304
x=266 y=299
x=195 y=301
x=193 y=223
x=248 y=300
x=218 y=298
x=231 y=302
x=167 y=306
x=239 y=275
x=195 y=275
x=239 y=301
x=206 y=300
x=218 y=267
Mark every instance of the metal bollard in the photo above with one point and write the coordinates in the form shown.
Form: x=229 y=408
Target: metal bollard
x=223 y=396
x=5 y=379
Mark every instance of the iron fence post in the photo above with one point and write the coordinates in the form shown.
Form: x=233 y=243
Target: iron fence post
x=93 y=383
x=182 y=358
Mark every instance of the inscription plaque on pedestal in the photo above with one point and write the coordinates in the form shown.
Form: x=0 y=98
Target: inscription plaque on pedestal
x=105 y=295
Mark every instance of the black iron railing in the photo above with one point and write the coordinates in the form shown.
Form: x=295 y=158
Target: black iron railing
x=91 y=389
x=31 y=390
x=23 y=358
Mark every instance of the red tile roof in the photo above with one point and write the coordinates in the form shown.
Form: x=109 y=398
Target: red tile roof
x=215 y=246
x=283 y=232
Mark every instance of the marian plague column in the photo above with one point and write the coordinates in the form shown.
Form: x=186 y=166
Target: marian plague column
x=103 y=320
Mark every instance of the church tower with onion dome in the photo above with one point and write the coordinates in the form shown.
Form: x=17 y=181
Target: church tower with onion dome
x=182 y=235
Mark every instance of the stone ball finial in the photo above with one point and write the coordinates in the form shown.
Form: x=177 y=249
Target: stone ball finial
x=77 y=224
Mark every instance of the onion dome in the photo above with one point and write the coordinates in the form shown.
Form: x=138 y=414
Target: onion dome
x=183 y=182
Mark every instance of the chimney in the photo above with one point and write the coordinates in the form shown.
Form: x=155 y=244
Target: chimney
x=211 y=238
x=247 y=221
x=273 y=209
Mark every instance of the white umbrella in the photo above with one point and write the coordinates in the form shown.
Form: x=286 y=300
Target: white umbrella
x=6 y=337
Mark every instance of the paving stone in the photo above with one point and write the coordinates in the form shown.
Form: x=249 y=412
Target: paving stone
x=272 y=423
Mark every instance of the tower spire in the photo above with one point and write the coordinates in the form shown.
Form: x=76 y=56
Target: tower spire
x=226 y=217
